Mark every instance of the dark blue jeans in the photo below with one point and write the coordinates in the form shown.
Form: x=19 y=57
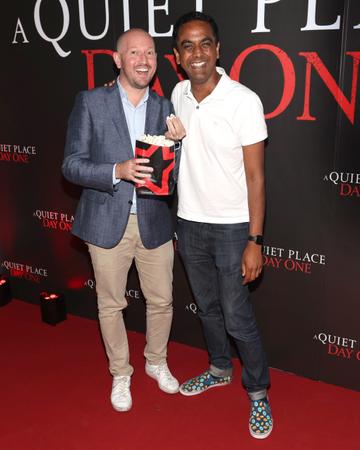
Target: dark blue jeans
x=212 y=256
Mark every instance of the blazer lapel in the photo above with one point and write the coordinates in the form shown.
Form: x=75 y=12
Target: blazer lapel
x=117 y=114
x=152 y=114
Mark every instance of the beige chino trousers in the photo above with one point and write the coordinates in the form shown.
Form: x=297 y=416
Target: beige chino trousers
x=155 y=270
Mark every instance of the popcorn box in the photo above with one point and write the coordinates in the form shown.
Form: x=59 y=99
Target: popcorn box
x=162 y=160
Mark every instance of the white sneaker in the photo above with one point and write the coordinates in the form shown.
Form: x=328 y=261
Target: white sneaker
x=162 y=375
x=120 y=393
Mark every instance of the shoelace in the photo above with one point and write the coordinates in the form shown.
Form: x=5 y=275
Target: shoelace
x=164 y=372
x=121 y=386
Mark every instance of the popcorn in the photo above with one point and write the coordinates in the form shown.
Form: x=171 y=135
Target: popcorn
x=156 y=140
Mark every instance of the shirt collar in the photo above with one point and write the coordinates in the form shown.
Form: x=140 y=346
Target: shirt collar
x=218 y=90
x=124 y=95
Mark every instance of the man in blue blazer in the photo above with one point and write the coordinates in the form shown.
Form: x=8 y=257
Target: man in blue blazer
x=118 y=226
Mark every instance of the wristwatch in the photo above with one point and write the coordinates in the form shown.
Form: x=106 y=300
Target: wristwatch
x=258 y=239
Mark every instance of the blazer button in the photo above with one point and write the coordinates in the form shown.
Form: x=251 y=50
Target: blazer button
x=130 y=202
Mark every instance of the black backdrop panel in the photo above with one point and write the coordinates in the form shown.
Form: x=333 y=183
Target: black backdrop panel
x=302 y=58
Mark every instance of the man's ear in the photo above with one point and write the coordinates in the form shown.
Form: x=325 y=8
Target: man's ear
x=218 y=50
x=177 y=56
x=117 y=60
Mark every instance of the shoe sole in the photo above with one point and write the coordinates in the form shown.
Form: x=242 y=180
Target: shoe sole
x=162 y=388
x=121 y=409
x=260 y=436
x=190 y=394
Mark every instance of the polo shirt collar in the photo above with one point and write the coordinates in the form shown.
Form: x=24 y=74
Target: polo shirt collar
x=218 y=92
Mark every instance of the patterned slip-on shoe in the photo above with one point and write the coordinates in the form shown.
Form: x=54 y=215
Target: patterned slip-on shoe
x=260 y=422
x=202 y=383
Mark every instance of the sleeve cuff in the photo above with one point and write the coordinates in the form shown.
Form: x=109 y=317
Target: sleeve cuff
x=115 y=180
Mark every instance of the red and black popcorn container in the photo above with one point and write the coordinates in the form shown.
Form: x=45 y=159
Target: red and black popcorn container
x=162 y=160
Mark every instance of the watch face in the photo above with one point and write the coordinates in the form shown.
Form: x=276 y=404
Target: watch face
x=257 y=239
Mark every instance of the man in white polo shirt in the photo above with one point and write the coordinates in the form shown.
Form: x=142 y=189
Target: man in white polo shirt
x=221 y=208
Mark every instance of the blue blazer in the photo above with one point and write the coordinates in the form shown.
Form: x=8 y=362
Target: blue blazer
x=97 y=138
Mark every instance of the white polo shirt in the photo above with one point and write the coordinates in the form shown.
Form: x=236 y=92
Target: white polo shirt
x=211 y=184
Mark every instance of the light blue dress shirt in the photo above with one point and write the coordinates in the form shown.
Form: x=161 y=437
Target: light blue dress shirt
x=135 y=119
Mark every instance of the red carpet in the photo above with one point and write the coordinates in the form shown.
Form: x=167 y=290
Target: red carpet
x=55 y=395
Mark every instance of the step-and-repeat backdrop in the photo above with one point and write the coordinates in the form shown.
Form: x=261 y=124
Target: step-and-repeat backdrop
x=302 y=58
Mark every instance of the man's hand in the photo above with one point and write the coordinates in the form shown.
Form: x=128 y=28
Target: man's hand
x=176 y=130
x=252 y=262
x=110 y=83
x=133 y=170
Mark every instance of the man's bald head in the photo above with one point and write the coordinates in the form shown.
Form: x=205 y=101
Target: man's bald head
x=135 y=56
x=126 y=38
